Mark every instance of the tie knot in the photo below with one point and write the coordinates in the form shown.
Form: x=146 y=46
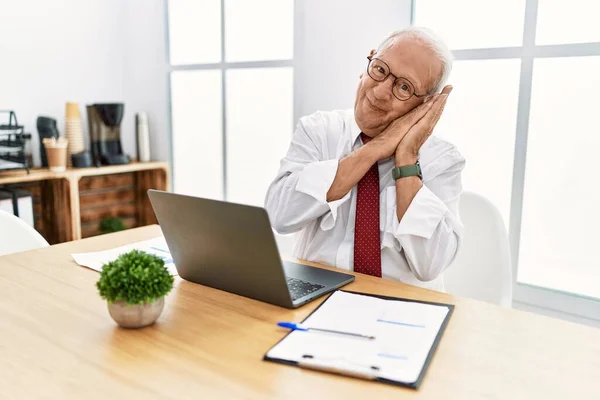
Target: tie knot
x=365 y=139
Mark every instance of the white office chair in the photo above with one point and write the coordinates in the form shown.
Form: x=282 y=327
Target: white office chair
x=16 y=235
x=482 y=269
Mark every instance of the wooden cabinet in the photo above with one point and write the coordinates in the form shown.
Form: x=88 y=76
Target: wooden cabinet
x=70 y=205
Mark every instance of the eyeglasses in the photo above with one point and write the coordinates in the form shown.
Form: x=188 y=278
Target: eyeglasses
x=379 y=71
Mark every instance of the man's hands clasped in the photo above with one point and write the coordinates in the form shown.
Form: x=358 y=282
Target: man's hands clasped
x=404 y=137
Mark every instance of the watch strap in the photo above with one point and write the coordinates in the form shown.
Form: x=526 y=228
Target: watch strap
x=407 y=170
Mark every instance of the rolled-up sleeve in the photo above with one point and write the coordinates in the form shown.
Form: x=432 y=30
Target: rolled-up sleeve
x=298 y=195
x=429 y=234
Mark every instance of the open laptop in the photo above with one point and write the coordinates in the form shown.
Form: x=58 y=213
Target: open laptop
x=232 y=247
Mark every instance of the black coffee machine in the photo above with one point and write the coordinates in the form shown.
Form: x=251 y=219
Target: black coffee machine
x=104 y=121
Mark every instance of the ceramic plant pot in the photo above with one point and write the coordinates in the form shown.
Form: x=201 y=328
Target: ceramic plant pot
x=136 y=315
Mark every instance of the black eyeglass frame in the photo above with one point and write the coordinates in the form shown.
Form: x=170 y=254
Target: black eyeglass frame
x=396 y=78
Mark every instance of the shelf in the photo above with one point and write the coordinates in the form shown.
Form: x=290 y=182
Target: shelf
x=39 y=174
x=70 y=205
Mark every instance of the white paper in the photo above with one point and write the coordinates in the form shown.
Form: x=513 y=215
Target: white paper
x=157 y=246
x=26 y=209
x=4 y=164
x=404 y=334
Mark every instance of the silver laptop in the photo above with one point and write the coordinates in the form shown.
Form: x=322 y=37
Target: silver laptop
x=232 y=247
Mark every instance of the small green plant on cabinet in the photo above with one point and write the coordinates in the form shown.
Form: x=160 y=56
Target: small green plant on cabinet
x=112 y=224
x=135 y=277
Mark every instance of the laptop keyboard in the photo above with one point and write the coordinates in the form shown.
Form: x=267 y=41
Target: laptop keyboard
x=299 y=288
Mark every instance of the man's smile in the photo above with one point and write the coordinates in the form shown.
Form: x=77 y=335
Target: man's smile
x=373 y=106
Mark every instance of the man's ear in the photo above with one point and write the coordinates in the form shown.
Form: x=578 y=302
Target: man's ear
x=371 y=54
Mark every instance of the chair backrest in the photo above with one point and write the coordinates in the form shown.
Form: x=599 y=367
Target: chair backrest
x=16 y=235
x=482 y=269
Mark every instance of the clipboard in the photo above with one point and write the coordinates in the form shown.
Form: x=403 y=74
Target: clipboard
x=365 y=371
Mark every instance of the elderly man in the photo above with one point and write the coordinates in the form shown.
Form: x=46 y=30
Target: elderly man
x=370 y=189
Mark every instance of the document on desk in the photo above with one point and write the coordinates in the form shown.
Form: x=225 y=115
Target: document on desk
x=406 y=334
x=157 y=246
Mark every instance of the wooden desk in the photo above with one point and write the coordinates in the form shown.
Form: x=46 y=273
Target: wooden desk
x=58 y=341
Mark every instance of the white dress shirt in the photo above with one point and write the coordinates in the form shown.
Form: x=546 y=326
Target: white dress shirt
x=415 y=250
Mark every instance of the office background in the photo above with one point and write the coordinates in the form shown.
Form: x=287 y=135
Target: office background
x=224 y=82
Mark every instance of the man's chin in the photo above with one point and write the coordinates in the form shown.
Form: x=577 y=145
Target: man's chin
x=368 y=122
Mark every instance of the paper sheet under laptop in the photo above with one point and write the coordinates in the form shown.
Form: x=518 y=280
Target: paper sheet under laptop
x=404 y=335
x=157 y=246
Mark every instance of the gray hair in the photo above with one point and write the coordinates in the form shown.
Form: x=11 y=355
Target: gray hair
x=433 y=42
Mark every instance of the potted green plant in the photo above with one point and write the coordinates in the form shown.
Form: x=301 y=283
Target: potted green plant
x=134 y=286
x=111 y=224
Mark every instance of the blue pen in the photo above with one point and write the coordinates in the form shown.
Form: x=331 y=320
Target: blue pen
x=298 y=327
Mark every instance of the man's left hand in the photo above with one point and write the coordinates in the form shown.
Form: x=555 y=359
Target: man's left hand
x=407 y=151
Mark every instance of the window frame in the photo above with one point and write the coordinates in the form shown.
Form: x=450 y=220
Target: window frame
x=223 y=66
x=528 y=295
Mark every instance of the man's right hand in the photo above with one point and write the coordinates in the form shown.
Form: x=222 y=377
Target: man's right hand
x=387 y=141
x=355 y=165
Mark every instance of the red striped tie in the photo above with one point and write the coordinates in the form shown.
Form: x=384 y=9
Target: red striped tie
x=367 y=247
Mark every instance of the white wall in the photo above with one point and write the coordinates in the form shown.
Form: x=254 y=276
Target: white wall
x=89 y=51
x=333 y=40
x=146 y=62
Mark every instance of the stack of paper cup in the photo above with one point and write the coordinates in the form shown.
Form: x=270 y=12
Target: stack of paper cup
x=73 y=130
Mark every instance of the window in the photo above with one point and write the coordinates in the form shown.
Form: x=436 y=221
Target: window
x=196 y=109
x=523 y=112
x=259 y=114
x=573 y=22
x=561 y=196
x=194 y=31
x=231 y=95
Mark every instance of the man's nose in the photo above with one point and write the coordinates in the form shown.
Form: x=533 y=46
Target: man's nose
x=383 y=90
